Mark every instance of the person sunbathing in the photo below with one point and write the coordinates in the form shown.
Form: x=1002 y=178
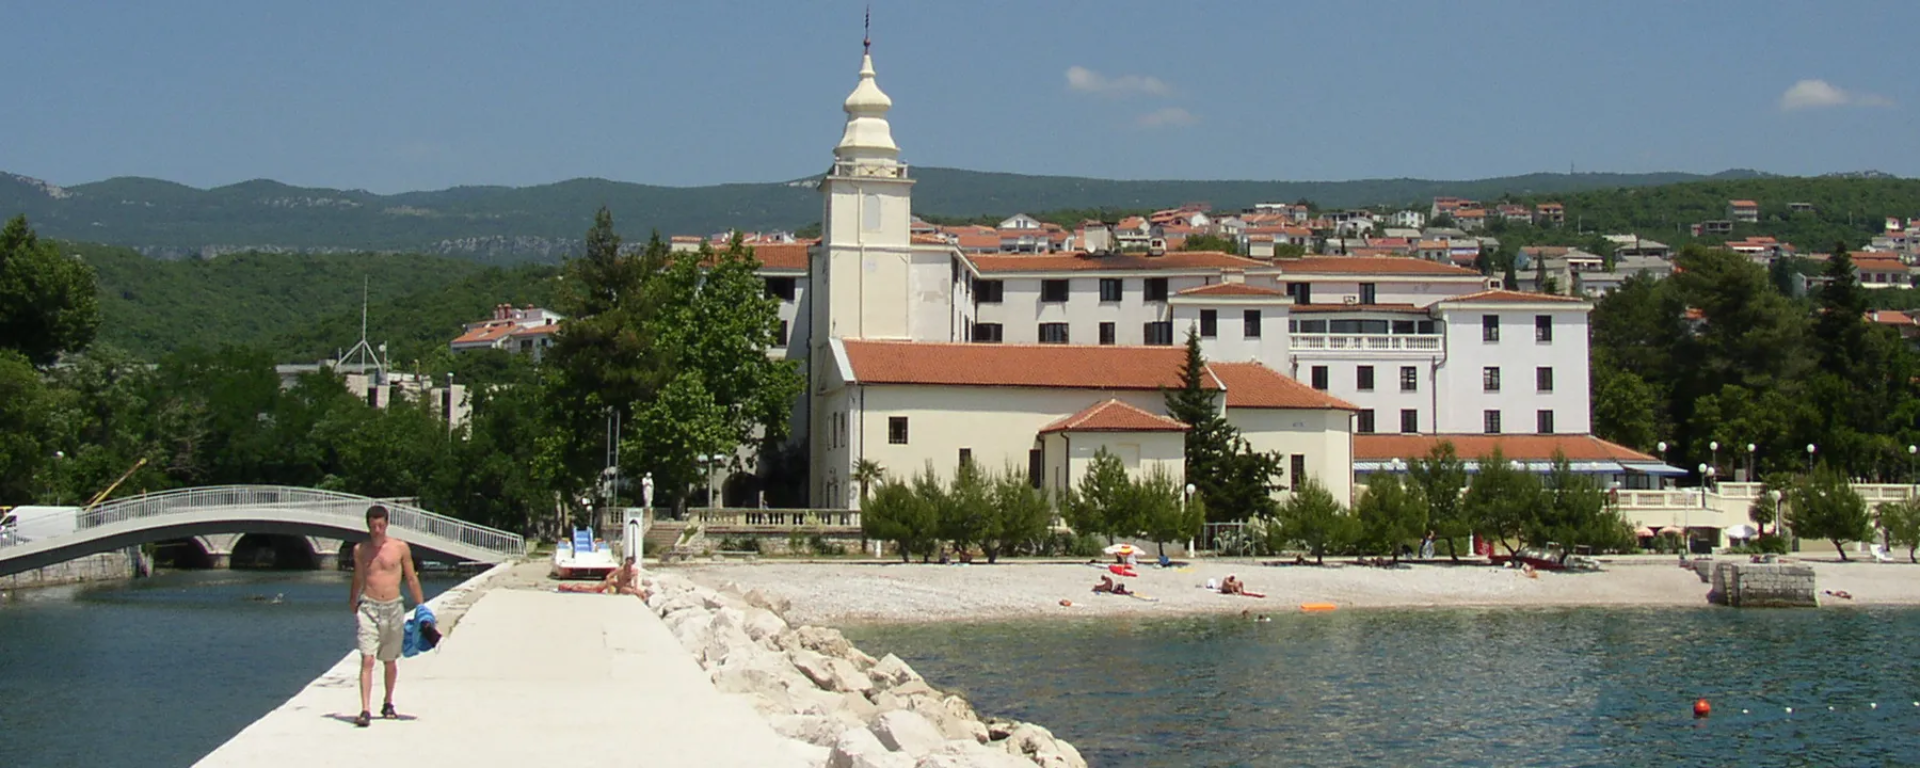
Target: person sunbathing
x=624 y=580
x=1121 y=589
x=1105 y=586
x=1840 y=593
x=1232 y=586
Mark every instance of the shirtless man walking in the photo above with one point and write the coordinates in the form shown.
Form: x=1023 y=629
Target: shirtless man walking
x=378 y=564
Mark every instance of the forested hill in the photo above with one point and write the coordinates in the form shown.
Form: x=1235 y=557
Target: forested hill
x=300 y=307
x=543 y=223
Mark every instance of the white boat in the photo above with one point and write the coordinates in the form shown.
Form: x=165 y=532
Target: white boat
x=583 y=557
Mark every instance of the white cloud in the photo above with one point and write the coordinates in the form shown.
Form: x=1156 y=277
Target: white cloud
x=1170 y=116
x=1816 y=94
x=1088 y=81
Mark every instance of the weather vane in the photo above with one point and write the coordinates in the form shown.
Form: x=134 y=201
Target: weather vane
x=866 y=39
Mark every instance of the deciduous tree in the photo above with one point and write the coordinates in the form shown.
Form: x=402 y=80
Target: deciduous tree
x=1390 y=513
x=1825 y=506
x=1440 y=477
x=48 y=305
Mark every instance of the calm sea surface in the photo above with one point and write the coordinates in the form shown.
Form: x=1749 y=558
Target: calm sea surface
x=1585 y=687
x=159 y=672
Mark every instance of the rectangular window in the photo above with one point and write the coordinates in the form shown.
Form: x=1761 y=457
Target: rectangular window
x=1107 y=335
x=1543 y=379
x=1053 y=291
x=1543 y=328
x=1053 y=333
x=1363 y=378
x=1320 y=377
x=1250 y=322
x=1403 y=327
x=780 y=288
x=897 y=430
x=1369 y=293
x=1297 y=471
x=1209 y=323
x=1036 y=467
x=1544 y=420
x=1156 y=289
x=1409 y=378
x=1409 y=420
x=1492 y=419
x=1158 y=334
x=1110 y=289
x=966 y=457
x=988 y=291
x=1365 y=426
x=781 y=339
x=987 y=333
x=1302 y=293
x=1489 y=327
x=1490 y=379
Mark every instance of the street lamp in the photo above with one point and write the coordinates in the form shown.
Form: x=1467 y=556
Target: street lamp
x=1714 y=447
x=1810 y=450
x=1663 y=456
x=1184 y=502
x=1775 y=495
x=707 y=463
x=1750 y=449
x=58 y=457
x=1911 y=450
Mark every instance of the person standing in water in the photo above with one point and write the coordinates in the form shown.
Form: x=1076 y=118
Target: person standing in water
x=378 y=565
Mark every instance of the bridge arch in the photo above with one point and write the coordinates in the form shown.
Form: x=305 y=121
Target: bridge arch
x=257 y=510
x=272 y=551
x=187 y=552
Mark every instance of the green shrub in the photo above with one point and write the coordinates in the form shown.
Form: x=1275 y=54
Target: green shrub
x=820 y=545
x=740 y=544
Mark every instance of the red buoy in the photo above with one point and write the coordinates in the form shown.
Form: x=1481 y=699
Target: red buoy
x=1701 y=708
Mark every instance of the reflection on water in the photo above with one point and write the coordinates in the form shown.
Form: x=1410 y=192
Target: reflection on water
x=160 y=671
x=1457 y=687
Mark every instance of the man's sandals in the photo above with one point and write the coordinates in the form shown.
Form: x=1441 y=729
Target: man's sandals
x=365 y=718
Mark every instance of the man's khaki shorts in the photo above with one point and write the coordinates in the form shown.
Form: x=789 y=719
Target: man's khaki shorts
x=382 y=628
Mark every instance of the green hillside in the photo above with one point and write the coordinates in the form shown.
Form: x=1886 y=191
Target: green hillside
x=543 y=223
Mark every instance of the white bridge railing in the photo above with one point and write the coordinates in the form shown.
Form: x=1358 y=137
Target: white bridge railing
x=350 y=510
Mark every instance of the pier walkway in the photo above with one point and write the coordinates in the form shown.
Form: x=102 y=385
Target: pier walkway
x=524 y=678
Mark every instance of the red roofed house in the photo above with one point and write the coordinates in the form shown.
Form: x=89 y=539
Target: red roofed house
x=526 y=329
x=1743 y=211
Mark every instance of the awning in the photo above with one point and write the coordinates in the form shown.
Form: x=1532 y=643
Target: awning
x=1651 y=468
x=1542 y=467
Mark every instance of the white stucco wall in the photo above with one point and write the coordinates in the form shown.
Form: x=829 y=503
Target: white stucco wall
x=1021 y=311
x=1323 y=436
x=1069 y=455
x=1462 y=398
x=1230 y=343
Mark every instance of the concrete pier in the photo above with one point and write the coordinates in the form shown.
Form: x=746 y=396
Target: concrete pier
x=524 y=678
x=1764 y=585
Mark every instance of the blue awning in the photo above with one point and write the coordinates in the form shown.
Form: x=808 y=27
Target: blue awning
x=1651 y=468
x=1542 y=467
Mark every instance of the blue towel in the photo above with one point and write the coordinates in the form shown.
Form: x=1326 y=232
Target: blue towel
x=414 y=641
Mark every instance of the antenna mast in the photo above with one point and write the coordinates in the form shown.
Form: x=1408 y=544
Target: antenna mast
x=363 y=350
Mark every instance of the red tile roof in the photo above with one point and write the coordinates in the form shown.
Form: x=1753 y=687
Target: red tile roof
x=490 y=332
x=1230 y=289
x=782 y=255
x=1743 y=203
x=1501 y=296
x=1078 y=366
x=1080 y=262
x=1252 y=385
x=1890 y=317
x=1513 y=447
x=1390 y=265
x=1114 y=416
x=537 y=330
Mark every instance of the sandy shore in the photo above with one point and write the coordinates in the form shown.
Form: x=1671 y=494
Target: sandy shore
x=830 y=593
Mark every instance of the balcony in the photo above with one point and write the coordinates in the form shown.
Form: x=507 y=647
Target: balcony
x=861 y=169
x=1363 y=342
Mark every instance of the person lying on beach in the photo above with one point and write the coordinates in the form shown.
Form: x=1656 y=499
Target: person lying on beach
x=1121 y=589
x=1840 y=593
x=1105 y=586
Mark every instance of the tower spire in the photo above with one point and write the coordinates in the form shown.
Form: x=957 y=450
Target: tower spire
x=866 y=39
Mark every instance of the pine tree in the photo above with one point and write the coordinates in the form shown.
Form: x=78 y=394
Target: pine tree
x=1238 y=481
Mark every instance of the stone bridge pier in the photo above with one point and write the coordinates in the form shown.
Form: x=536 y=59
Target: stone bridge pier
x=325 y=553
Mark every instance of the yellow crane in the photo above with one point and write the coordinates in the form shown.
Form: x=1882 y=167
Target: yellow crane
x=102 y=496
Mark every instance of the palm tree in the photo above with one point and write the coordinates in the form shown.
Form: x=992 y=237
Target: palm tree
x=867 y=472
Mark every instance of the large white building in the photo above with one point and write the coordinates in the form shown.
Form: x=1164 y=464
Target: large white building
x=919 y=353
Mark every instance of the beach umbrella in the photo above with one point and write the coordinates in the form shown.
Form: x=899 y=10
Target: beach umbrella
x=1123 y=549
x=1672 y=530
x=1643 y=532
x=1742 y=531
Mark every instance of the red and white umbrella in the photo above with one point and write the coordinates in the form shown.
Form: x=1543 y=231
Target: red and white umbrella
x=1124 y=549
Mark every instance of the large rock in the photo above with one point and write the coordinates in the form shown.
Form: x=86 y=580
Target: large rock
x=859 y=748
x=763 y=625
x=820 y=640
x=758 y=673
x=968 y=754
x=944 y=718
x=830 y=673
x=890 y=672
x=807 y=754
x=777 y=604
x=906 y=731
x=820 y=730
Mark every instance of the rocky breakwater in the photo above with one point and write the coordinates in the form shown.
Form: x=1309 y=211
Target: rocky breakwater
x=845 y=708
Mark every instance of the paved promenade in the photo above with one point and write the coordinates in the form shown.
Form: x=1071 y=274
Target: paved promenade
x=525 y=678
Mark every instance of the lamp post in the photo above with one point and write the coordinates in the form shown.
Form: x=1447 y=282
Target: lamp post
x=58 y=458
x=1911 y=450
x=1750 y=449
x=1663 y=456
x=1714 y=447
x=1184 y=501
x=1775 y=495
x=1810 y=450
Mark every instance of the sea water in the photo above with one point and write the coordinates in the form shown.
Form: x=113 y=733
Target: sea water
x=159 y=672
x=1560 y=687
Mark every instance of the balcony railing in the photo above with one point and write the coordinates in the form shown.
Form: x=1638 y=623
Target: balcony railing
x=1364 y=342
x=856 y=169
x=750 y=520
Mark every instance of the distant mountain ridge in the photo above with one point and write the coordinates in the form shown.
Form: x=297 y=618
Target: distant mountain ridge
x=543 y=223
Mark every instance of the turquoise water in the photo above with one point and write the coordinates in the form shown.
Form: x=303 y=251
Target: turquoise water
x=159 y=672
x=1564 y=687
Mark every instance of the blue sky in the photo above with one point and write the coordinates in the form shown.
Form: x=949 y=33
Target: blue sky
x=425 y=95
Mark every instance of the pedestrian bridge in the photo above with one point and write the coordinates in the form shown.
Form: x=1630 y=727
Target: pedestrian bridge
x=267 y=509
